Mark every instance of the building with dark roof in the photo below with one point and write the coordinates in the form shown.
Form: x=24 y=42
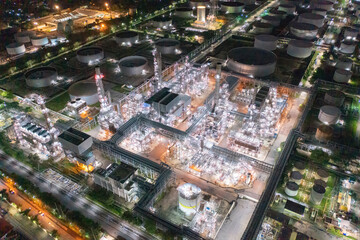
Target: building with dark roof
x=118 y=179
x=294 y=207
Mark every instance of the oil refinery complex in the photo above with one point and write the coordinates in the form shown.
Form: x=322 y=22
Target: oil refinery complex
x=213 y=119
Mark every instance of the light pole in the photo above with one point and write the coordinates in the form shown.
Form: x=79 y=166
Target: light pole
x=57 y=8
x=107 y=5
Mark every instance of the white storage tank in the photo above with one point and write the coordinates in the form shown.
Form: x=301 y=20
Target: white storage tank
x=305 y=31
x=317 y=194
x=262 y=28
x=291 y=189
x=334 y=97
x=167 y=46
x=183 y=12
x=189 y=198
x=322 y=174
x=275 y=21
x=299 y=166
x=324 y=133
x=126 y=38
x=24 y=37
x=351 y=33
x=86 y=90
x=288 y=8
x=347 y=46
x=39 y=41
x=133 y=65
x=196 y=3
x=232 y=7
x=342 y=76
x=296 y=177
x=90 y=55
x=41 y=77
x=299 y=48
x=319 y=11
x=329 y=114
x=255 y=62
x=15 y=48
x=277 y=13
x=312 y=18
x=323 y=4
x=162 y=22
x=344 y=63
x=267 y=42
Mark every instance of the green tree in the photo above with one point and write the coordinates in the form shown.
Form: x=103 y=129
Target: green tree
x=150 y=226
x=319 y=156
x=25 y=212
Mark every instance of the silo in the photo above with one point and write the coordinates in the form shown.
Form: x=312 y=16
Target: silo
x=344 y=63
x=312 y=18
x=296 y=176
x=320 y=182
x=262 y=28
x=299 y=48
x=189 y=196
x=317 y=194
x=292 y=189
x=334 y=97
x=347 y=46
x=275 y=21
x=267 y=42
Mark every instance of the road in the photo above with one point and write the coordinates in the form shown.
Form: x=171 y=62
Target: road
x=48 y=221
x=112 y=224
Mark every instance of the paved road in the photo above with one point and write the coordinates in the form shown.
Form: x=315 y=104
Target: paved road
x=112 y=224
x=47 y=221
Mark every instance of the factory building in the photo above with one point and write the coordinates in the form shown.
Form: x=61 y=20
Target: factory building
x=168 y=103
x=78 y=145
x=119 y=179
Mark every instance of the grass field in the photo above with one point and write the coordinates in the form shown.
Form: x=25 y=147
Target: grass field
x=59 y=102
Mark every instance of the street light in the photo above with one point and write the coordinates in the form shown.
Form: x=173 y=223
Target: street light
x=57 y=7
x=107 y=5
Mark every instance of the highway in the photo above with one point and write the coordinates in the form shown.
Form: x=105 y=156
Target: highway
x=112 y=224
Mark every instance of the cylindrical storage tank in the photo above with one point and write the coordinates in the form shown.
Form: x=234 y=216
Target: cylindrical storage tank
x=342 y=76
x=351 y=33
x=324 y=133
x=322 y=174
x=262 y=28
x=40 y=77
x=267 y=42
x=275 y=21
x=312 y=18
x=189 y=198
x=161 y=22
x=24 y=37
x=68 y=28
x=319 y=11
x=247 y=2
x=60 y=27
x=232 y=7
x=184 y=12
x=323 y=4
x=133 y=65
x=296 y=177
x=90 y=55
x=344 y=63
x=320 y=182
x=255 y=62
x=334 y=97
x=54 y=40
x=167 y=45
x=195 y=3
x=277 y=13
x=317 y=194
x=299 y=166
x=299 y=48
x=201 y=14
x=347 y=47
x=39 y=41
x=305 y=31
x=86 y=90
x=329 y=114
x=291 y=189
x=293 y=2
x=15 y=48
x=288 y=8
x=126 y=38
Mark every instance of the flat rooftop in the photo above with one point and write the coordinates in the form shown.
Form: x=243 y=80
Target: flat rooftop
x=74 y=136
